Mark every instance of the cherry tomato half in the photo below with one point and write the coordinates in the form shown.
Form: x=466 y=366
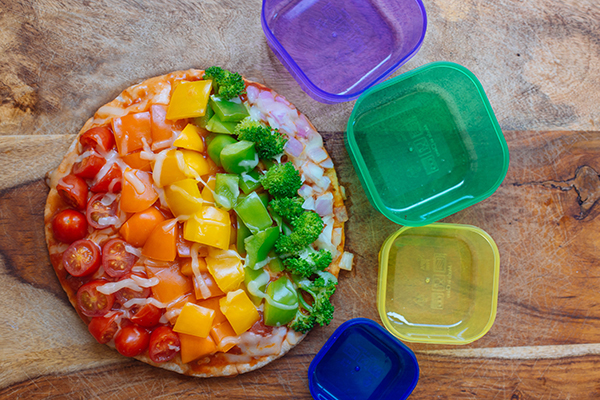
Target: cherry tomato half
x=147 y=315
x=116 y=260
x=109 y=182
x=90 y=166
x=132 y=340
x=164 y=344
x=98 y=214
x=93 y=303
x=99 y=138
x=69 y=226
x=126 y=294
x=82 y=258
x=103 y=329
x=73 y=190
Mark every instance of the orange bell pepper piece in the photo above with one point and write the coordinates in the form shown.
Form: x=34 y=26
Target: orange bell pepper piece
x=194 y=347
x=134 y=160
x=239 y=310
x=175 y=307
x=213 y=304
x=130 y=132
x=172 y=284
x=224 y=336
x=194 y=320
x=163 y=130
x=162 y=242
x=204 y=285
x=137 y=193
x=189 y=100
x=139 y=226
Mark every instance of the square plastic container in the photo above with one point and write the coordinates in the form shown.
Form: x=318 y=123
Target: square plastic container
x=336 y=49
x=438 y=283
x=363 y=361
x=426 y=144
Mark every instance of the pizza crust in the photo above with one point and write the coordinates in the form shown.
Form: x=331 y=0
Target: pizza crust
x=138 y=98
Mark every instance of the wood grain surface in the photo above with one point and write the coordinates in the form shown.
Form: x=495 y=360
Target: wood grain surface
x=539 y=61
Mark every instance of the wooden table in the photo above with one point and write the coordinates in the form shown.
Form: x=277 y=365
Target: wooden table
x=539 y=61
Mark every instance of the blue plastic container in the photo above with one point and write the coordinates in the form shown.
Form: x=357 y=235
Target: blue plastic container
x=361 y=360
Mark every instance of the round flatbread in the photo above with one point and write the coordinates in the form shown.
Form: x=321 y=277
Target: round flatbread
x=135 y=286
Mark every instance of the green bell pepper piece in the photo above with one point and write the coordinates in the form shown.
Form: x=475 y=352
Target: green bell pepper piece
x=228 y=111
x=249 y=181
x=216 y=146
x=215 y=125
x=253 y=213
x=258 y=247
x=242 y=233
x=282 y=302
x=227 y=190
x=256 y=282
x=275 y=263
x=203 y=120
x=239 y=157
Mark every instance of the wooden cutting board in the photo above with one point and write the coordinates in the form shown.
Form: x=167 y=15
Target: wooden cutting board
x=539 y=63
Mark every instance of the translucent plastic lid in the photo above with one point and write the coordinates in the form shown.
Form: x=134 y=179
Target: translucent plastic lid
x=426 y=144
x=336 y=49
x=361 y=360
x=438 y=283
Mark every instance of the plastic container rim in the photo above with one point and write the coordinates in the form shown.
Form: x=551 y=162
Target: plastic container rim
x=335 y=336
x=382 y=278
x=357 y=157
x=320 y=93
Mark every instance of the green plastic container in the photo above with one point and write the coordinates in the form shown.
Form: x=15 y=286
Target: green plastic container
x=426 y=144
x=438 y=283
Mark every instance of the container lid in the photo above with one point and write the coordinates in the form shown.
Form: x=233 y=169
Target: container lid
x=336 y=49
x=426 y=144
x=361 y=360
x=438 y=283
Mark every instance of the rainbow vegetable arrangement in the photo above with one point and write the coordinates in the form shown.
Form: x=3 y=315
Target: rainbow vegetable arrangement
x=245 y=225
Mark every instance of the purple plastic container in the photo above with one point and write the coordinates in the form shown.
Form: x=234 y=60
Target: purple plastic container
x=336 y=49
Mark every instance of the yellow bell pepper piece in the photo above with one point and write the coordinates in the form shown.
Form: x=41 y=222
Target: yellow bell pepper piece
x=196 y=164
x=194 y=347
x=239 y=311
x=194 y=320
x=227 y=269
x=189 y=138
x=209 y=189
x=189 y=100
x=211 y=226
x=183 y=197
x=175 y=165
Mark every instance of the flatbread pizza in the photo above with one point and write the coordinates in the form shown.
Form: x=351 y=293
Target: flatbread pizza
x=196 y=223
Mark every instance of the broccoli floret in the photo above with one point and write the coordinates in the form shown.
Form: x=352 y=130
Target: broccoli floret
x=268 y=142
x=282 y=180
x=321 y=309
x=308 y=261
x=287 y=207
x=229 y=84
x=306 y=229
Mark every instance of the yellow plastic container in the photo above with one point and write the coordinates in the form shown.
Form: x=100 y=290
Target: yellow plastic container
x=438 y=283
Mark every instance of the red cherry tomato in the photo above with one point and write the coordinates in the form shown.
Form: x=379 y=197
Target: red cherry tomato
x=93 y=303
x=73 y=190
x=89 y=167
x=103 y=329
x=164 y=344
x=98 y=214
x=126 y=294
x=69 y=226
x=109 y=182
x=147 y=315
x=132 y=340
x=99 y=138
x=116 y=260
x=82 y=258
